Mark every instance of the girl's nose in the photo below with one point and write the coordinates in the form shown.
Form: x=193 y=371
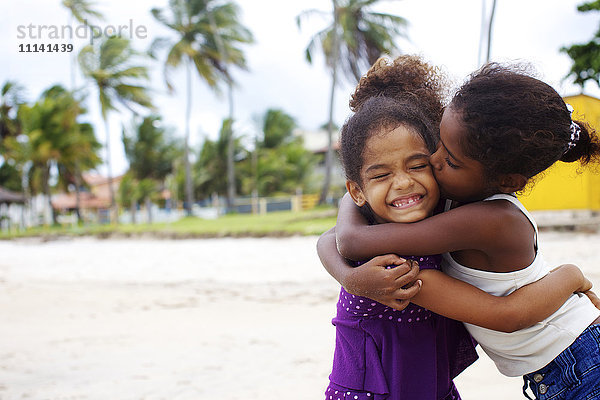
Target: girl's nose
x=436 y=160
x=403 y=181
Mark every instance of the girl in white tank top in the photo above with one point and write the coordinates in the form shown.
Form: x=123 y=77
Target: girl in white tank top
x=525 y=350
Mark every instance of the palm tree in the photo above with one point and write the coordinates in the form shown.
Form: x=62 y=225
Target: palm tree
x=53 y=137
x=354 y=39
x=226 y=31
x=283 y=164
x=207 y=36
x=79 y=154
x=82 y=11
x=211 y=162
x=108 y=64
x=150 y=154
x=11 y=97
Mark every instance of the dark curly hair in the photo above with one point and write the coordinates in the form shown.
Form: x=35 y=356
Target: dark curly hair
x=406 y=91
x=515 y=123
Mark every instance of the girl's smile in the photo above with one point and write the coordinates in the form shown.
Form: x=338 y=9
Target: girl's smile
x=407 y=201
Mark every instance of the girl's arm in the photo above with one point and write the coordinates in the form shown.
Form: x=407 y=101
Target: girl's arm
x=477 y=225
x=393 y=287
x=522 y=308
x=451 y=297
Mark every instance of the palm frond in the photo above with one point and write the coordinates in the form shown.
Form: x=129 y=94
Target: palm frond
x=131 y=72
x=82 y=10
x=113 y=52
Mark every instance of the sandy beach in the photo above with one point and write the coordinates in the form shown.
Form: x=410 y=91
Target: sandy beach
x=190 y=319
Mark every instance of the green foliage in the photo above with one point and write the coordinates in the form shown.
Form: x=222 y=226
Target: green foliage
x=589 y=6
x=277 y=128
x=151 y=154
x=362 y=36
x=585 y=56
x=281 y=163
x=128 y=191
x=12 y=97
x=52 y=135
x=197 y=24
x=80 y=154
x=10 y=178
x=284 y=169
x=82 y=10
x=149 y=150
x=108 y=64
x=212 y=164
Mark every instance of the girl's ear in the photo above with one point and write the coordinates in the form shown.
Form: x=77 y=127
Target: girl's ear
x=511 y=183
x=356 y=193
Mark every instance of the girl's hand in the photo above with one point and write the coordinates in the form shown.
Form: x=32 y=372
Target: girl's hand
x=586 y=284
x=394 y=287
x=593 y=298
x=586 y=289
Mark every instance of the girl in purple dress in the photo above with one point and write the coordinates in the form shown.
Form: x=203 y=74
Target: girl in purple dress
x=396 y=351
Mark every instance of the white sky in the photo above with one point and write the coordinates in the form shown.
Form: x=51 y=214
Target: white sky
x=444 y=32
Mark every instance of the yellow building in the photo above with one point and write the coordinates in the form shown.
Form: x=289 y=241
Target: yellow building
x=562 y=187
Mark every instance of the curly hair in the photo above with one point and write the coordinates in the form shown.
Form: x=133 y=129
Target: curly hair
x=407 y=76
x=515 y=123
x=406 y=91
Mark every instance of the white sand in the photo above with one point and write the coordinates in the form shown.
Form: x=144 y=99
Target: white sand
x=193 y=319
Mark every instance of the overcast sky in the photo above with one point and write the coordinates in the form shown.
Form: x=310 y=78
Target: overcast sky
x=445 y=32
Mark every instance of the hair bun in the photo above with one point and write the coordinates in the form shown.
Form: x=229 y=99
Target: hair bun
x=405 y=76
x=584 y=145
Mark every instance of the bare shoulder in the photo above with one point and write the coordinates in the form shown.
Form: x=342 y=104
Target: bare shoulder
x=511 y=237
x=506 y=214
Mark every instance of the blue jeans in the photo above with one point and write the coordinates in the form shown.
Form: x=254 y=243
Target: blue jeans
x=573 y=375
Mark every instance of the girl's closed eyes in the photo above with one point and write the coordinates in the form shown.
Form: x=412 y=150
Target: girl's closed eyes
x=450 y=163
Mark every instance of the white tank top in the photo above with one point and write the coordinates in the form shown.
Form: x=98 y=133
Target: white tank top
x=530 y=349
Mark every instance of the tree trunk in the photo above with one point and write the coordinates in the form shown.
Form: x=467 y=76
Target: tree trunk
x=148 y=205
x=489 y=41
x=46 y=184
x=27 y=205
x=73 y=59
x=189 y=196
x=230 y=152
x=78 y=195
x=333 y=66
x=230 y=142
x=133 y=211
x=255 y=176
x=112 y=214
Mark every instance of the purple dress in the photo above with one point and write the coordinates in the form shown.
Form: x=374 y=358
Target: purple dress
x=382 y=353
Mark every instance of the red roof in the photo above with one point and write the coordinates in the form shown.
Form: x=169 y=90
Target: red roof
x=68 y=201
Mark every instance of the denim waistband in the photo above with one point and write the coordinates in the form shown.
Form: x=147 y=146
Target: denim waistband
x=566 y=370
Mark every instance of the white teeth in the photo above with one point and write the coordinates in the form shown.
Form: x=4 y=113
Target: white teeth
x=406 y=202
